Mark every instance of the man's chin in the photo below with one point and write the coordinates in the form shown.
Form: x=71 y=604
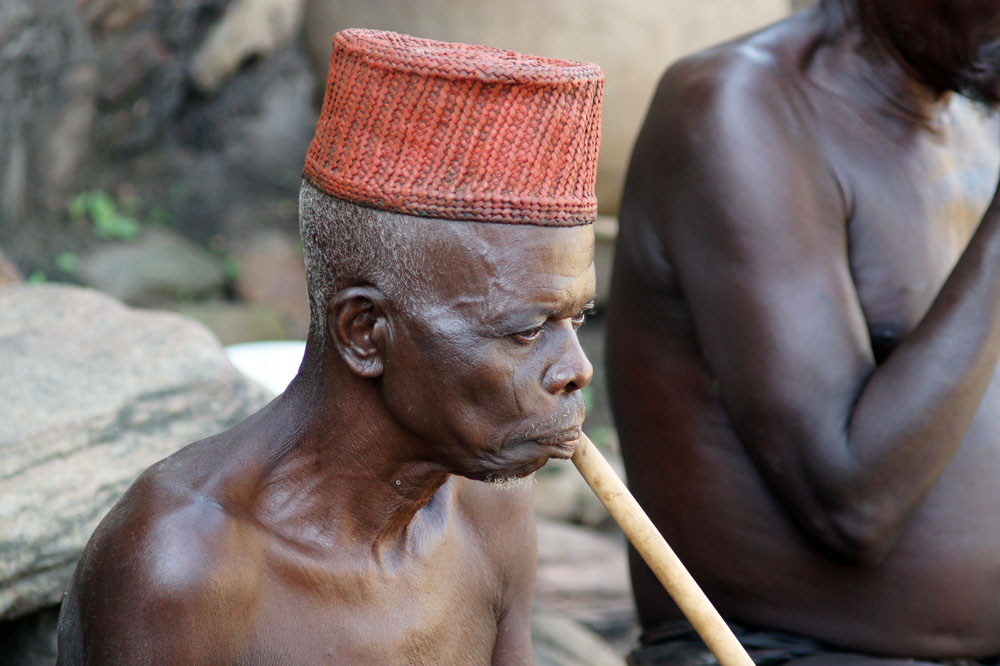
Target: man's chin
x=524 y=455
x=514 y=472
x=512 y=483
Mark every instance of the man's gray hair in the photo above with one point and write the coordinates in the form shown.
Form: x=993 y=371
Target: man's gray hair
x=347 y=245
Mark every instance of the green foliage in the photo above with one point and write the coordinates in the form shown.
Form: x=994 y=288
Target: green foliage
x=159 y=214
x=603 y=437
x=38 y=277
x=109 y=222
x=67 y=261
x=588 y=396
x=231 y=267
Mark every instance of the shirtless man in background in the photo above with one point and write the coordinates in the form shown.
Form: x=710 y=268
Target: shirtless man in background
x=446 y=219
x=805 y=330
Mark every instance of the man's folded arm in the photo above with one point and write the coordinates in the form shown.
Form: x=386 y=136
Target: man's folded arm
x=755 y=224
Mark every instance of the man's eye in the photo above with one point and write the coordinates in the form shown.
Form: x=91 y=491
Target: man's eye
x=529 y=335
x=582 y=317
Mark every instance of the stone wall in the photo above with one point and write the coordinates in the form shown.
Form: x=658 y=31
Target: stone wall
x=199 y=109
x=48 y=86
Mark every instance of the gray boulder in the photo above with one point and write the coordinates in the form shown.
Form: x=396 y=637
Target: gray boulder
x=157 y=269
x=92 y=393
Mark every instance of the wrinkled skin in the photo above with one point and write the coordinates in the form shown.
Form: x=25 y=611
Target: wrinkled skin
x=330 y=528
x=804 y=335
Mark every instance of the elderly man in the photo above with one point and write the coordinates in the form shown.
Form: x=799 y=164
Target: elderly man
x=446 y=222
x=805 y=331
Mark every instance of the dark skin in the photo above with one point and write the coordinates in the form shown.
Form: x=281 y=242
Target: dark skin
x=803 y=342
x=333 y=527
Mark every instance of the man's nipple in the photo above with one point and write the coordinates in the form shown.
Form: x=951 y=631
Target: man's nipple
x=885 y=337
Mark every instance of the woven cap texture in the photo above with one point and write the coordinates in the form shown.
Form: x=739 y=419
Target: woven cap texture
x=459 y=132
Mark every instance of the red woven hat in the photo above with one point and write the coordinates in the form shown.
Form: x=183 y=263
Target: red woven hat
x=458 y=132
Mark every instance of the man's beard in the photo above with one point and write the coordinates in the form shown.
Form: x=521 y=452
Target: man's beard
x=511 y=483
x=979 y=80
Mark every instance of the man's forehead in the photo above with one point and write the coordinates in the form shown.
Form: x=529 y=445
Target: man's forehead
x=493 y=268
x=517 y=242
x=483 y=250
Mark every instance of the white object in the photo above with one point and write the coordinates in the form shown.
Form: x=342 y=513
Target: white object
x=272 y=364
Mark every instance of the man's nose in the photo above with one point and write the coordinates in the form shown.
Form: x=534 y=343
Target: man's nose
x=571 y=371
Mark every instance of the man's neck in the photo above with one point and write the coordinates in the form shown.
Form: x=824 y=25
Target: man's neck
x=862 y=62
x=345 y=476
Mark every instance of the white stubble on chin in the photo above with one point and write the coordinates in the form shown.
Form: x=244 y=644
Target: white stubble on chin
x=511 y=483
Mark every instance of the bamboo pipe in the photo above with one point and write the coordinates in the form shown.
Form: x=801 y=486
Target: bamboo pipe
x=660 y=557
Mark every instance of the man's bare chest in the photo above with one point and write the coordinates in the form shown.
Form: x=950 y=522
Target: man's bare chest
x=912 y=216
x=428 y=612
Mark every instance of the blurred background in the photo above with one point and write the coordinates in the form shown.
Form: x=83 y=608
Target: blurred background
x=151 y=152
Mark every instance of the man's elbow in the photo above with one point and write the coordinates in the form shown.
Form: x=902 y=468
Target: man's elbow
x=858 y=535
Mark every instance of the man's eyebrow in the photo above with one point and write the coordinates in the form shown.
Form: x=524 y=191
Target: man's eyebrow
x=512 y=319
x=589 y=306
x=572 y=308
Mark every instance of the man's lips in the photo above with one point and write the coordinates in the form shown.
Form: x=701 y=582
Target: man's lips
x=561 y=440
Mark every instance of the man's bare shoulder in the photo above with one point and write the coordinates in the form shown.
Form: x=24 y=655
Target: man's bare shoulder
x=736 y=118
x=725 y=87
x=725 y=82
x=168 y=572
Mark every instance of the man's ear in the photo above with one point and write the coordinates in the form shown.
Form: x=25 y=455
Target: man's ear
x=357 y=324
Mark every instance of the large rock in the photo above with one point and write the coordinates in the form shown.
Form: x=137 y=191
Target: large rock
x=157 y=269
x=633 y=40
x=91 y=394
